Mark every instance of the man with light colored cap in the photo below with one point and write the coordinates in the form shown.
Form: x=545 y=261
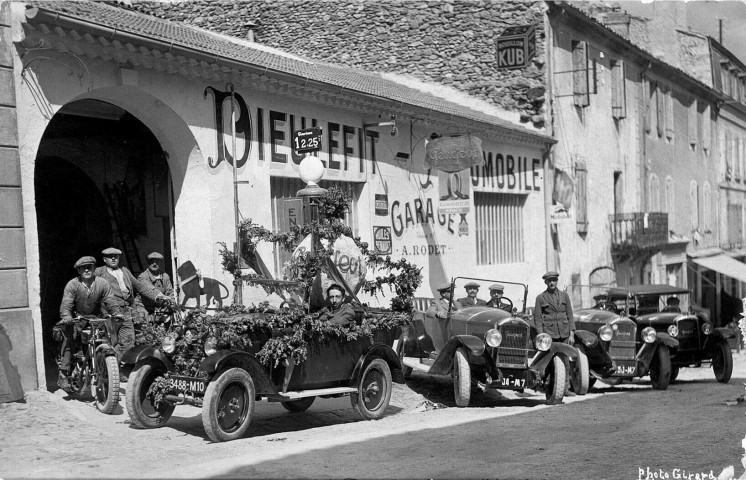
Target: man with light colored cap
x=471 y=300
x=440 y=307
x=496 y=297
x=156 y=277
x=124 y=288
x=85 y=294
x=553 y=311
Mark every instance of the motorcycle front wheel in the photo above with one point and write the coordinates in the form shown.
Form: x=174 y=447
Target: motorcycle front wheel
x=106 y=387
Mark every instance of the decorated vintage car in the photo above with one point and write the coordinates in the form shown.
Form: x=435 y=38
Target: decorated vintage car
x=636 y=349
x=491 y=345
x=667 y=310
x=224 y=363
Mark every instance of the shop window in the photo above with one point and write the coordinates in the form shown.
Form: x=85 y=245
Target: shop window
x=654 y=193
x=580 y=73
x=286 y=208
x=581 y=191
x=618 y=90
x=499 y=228
x=694 y=205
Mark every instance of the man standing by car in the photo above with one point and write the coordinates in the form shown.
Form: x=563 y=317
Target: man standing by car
x=156 y=277
x=553 y=311
x=338 y=311
x=124 y=288
x=85 y=294
x=496 y=297
x=471 y=300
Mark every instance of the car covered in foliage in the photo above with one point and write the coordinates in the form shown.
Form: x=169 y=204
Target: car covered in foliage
x=225 y=362
x=668 y=311
x=496 y=348
x=636 y=349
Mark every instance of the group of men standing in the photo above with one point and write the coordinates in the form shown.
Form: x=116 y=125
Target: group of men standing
x=109 y=289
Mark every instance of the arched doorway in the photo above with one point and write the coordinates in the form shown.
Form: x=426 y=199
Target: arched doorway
x=101 y=179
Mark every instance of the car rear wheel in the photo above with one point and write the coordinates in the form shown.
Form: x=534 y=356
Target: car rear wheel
x=579 y=373
x=373 y=391
x=461 y=378
x=228 y=405
x=140 y=408
x=555 y=384
x=660 y=369
x=298 y=406
x=722 y=362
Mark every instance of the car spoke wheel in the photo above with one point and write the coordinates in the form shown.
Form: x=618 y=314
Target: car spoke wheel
x=722 y=362
x=461 y=378
x=580 y=374
x=298 y=406
x=660 y=369
x=373 y=391
x=106 y=389
x=229 y=403
x=555 y=382
x=141 y=410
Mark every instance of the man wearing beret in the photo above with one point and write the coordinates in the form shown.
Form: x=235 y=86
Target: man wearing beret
x=553 y=311
x=439 y=308
x=471 y=300
x=85 y=294
x=124 y=288
x=156 y=277
x=496 y=297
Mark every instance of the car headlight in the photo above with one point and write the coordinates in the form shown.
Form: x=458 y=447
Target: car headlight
x=211 y=346
x=493 y=337
x=168 y=344
x=673 y=330
x=606 y=333
x=543 y=341
x=648 y=334
x=706 y=328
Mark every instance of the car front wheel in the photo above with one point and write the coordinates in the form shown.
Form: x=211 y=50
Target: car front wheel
x=580 y=376
x=461 y=378
x=555 y=383
x=660 y=370
x=141 y=409
x=722 y=362
x=373 y=391
x=228 y=405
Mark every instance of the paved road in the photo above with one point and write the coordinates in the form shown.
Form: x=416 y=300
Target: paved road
x=611 y=433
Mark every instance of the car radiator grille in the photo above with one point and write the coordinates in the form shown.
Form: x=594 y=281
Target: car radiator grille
x=688 y=334
x=622 y=345
x=513 y=349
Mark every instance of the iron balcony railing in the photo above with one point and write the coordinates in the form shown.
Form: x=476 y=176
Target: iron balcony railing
x=639 y=230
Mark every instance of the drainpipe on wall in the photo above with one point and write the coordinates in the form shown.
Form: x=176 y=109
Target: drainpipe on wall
x=551 y=263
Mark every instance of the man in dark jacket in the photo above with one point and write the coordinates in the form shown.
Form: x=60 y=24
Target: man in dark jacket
x=124 y=288
x=471 y=300
x=496 y=297
x=85 y=294
x=156 y=277
x=553 y=311
x=338 y=311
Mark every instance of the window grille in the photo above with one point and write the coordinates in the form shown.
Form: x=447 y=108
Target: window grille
x=499 y=228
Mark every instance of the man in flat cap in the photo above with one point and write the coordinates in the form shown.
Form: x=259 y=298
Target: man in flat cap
x=471 y=300
x=156 y=277
x=124 y=288
x=85 y=294
x=496 y=297
x=553 y=311
x=439 y=308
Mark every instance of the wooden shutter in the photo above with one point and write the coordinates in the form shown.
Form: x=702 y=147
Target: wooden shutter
x=581 y=209
x=660 y=116
x=669 y=114
x=580 y=73
x=648 y=104
x=618 y=90
x=692 y=123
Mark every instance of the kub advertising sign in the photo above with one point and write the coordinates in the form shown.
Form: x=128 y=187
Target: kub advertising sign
x=516 y=46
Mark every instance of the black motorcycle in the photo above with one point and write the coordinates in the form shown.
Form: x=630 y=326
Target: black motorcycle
x=94 y=364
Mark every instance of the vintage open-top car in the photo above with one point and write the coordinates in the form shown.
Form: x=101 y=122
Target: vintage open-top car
x=668 y=310
x=227 y=362
x=490 y=345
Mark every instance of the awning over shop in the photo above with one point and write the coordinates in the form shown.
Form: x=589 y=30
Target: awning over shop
x=725 y=265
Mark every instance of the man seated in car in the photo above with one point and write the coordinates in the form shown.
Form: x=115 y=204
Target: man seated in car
x=439 y=308
x=337 y=311
x=496 y=297
x=672 y=305
x=471 y=300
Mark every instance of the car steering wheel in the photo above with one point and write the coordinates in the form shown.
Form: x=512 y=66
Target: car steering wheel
x=507 y=308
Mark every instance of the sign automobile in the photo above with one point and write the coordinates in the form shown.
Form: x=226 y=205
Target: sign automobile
x=516 y=46
x=453 y=154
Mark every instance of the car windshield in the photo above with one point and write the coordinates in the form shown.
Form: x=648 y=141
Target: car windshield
x=594 y=296
x=515 y=292
x=636 y=299
x=274 y=292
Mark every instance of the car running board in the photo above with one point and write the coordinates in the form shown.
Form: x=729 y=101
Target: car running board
x=419 y=364
x=310 y=393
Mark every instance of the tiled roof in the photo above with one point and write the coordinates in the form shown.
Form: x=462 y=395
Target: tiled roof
x=363 y=82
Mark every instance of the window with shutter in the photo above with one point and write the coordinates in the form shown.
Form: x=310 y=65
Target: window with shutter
x=727 y=156
x=581 y=184
x=646 y=95
x=618 y=90
x=499 y=228
x=694 y=204
x=707 y=207
x=706 y=128
x=693 y=124
x=580 y=73
x=660 y=117
x=654 y=193
x=669 y=115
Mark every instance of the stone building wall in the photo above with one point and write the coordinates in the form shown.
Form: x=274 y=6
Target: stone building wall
x=450 y=42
